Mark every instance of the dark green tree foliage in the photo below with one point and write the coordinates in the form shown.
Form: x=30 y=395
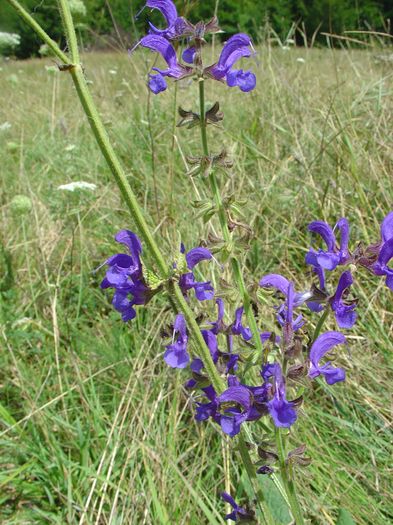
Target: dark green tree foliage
x=250 y=16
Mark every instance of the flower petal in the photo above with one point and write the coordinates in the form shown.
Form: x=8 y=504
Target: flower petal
x=157 y=83
x=275 y=280
x=325 y=231
x=323 y=344
x=196 y=255
x=387 y=227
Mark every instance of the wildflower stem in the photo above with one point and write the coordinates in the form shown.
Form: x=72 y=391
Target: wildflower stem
x=287 y=480
x=250 y=469
x=238 y=277
x=236 y=268
x=320 y=324
x=130 y=199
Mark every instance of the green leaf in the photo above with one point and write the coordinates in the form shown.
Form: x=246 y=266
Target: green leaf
x=344 y=518
x=274 y=500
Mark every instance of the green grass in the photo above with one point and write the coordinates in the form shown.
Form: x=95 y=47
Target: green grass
x=95 y=429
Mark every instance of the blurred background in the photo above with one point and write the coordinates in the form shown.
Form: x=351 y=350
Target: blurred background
x=103 y=24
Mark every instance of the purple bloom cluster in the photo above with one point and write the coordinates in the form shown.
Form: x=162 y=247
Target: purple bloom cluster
x=237 y=47
x=134 y=286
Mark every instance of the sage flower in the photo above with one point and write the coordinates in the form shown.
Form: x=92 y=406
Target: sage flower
x=157 y=82
x=203 y=290
x=333 y=256
x=344 y=313
x=175 y=24
x=237 y=47
x=239 y=513
x=280 y=409
x=126 y=277
x=176 y=355
x=321 y=346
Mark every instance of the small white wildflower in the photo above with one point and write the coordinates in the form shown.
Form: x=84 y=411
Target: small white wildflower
x=113 y=71
x=77 y=8
x=70 y=147
x=300 y=60
x=8 y=42
x=5 y=126
x=78 y=185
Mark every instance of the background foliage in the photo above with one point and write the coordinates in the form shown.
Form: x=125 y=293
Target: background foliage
x=104 y=17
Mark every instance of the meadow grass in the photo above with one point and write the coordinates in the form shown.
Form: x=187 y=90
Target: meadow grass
x=95 y=429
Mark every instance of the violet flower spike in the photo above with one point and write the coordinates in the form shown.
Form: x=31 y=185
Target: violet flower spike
x=237 y=47
x=176 y=355
x=175 y=70
x=344 y=313
x=330 y=258
x=321 y=346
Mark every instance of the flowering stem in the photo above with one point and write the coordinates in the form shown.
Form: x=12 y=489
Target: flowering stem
x=287 y=480
x=238 y=277
x=236 y=268
x=109 y=154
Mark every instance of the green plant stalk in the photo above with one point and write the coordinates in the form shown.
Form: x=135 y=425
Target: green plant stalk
x=236 y=268
x=287 y=480
x=320 y=324
x=136 y=212
x=238 y=277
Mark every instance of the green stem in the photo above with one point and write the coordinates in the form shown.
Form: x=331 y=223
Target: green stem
x=287 y=480
x=250 y=469
x=320 y=324
x=238 y=277
x=69 y=27
x=109 y=154
x=236 y=268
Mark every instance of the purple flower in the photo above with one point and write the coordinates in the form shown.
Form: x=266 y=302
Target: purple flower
x=157 y=83
x=345 y=314
x=176 y=355
x=238 y=328
x=230 y=409
x=189 y=54
x=238 y=513
x=330 y=258
x=323 y=344
x=219 y=325
x=237 y=47
x=175 y=24
x=380 y=267
x=203 y=290
x=125 y=276
x=174 y=70
x=281 y=283
x=281 y=410
x=235 y=404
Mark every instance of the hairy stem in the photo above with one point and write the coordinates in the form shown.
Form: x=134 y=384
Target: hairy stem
x=136 y=212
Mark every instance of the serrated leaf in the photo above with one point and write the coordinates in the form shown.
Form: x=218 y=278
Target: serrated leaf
x=344 y=518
